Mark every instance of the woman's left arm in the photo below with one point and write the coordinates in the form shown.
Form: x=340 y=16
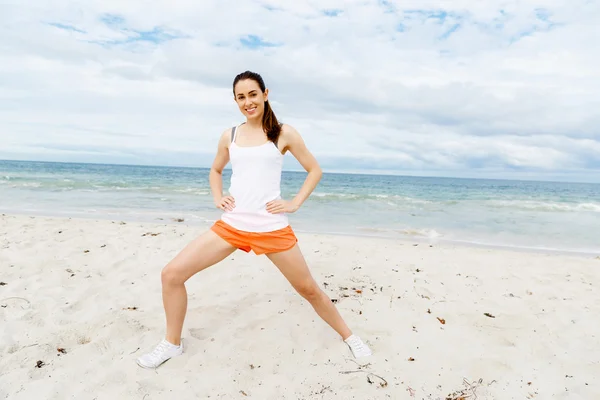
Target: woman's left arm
x=295 y=144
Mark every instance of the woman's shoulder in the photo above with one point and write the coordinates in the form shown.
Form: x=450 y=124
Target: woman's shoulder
x=226 y=136
x=288 y=130
x=290 y=137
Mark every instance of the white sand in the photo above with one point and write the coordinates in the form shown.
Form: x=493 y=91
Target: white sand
x=249 y=335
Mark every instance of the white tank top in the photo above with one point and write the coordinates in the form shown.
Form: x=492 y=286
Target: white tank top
x=255 y=180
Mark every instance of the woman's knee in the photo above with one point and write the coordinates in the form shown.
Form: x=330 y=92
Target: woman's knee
x=309 y=290
x=171 y=275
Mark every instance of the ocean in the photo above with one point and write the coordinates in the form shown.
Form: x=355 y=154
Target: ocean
x=507 y=213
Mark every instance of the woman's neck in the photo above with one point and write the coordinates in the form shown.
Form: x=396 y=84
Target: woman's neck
x=254 y=124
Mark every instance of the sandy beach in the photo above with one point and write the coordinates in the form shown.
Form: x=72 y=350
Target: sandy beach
x=80 y=300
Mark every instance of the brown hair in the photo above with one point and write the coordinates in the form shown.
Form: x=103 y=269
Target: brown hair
x=271 y=126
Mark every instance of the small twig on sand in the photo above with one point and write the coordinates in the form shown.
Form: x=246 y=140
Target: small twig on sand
x=370 y=375
x=134 y=350
x=360 y=366
x=421 y=295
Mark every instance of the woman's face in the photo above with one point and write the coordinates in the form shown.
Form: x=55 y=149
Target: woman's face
x=250 y=99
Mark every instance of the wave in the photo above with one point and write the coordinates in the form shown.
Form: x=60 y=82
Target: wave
x=410 y=232
x=324 y=196
x=532 y=205
x=66 y=185
x=31 y=184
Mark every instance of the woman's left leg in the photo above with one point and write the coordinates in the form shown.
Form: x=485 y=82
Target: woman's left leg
x=293 y=266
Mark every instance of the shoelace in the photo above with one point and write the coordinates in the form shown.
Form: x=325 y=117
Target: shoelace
x=357 y=344
x=161 y=348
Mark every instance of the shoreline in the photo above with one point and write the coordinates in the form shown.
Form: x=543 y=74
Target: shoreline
x=171 y=220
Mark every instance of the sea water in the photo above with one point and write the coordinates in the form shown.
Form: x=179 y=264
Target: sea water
x=521 y=214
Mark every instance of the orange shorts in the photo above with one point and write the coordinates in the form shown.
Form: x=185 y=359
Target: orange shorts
x=259 y=242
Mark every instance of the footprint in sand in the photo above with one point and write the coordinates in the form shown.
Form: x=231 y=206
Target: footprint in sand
x=16 y=307
x=199 y=334
x=102 y=345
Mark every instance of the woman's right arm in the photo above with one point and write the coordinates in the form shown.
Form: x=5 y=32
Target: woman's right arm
x=216 y=174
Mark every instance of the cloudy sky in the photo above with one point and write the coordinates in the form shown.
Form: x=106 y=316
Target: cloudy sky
x=495 y=88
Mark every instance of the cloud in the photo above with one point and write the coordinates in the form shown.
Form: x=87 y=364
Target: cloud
x=462 y=88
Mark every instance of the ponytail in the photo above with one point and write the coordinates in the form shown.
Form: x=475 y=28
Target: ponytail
x=271 y=126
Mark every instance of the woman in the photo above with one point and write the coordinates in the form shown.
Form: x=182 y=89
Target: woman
x=254 y=218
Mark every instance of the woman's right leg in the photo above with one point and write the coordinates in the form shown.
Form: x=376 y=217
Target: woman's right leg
x=204 y=251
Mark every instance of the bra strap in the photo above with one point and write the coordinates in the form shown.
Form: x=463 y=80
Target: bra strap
x=233 y=134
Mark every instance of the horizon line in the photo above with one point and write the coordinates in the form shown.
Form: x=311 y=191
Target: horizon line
x=332 y=172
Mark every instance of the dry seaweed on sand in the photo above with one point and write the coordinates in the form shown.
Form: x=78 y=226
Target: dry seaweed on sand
x=371 y=379
x=469 y=392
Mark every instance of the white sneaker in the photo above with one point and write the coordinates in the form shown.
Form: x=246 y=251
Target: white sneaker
x=358 y=347
x=160 y=354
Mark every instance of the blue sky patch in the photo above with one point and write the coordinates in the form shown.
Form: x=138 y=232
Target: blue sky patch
x=387 y=5
x=332 y=12
x=66 y=27
x=450 y=31
x=255 y=42
x=155 y=35
x=271 y=8
x=439 y=15
x=543 y=14
x=113 y=20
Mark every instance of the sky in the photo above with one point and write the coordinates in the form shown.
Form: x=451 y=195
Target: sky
x=464 y=88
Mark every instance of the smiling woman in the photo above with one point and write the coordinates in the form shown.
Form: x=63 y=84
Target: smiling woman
x=254 y=216
x=253 y=101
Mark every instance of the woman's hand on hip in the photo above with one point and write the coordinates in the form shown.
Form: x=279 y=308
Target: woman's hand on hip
x=281 y=206
x=227 y=203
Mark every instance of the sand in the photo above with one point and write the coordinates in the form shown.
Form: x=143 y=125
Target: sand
x=442 y=320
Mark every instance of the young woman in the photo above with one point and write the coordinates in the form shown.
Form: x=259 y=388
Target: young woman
x=254 y=217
